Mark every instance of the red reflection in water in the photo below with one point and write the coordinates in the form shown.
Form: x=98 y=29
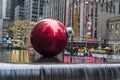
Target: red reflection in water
x=83 y=59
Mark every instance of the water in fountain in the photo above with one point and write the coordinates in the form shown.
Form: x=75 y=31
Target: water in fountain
x=60 y=72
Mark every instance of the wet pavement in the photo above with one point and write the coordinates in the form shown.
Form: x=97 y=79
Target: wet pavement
x=14 y=56
x=29 y=56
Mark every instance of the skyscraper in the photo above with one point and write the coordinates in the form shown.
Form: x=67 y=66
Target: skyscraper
x=0 y=9
x=1 y=3
x=6 y=16
x=19 y=10
x=3 y=16
x=54 y=9
x=33 y=9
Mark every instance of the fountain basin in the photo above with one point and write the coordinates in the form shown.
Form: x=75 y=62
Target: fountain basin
x=59 y=71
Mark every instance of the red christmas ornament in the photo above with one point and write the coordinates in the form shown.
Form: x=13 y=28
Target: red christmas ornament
x=49 y=37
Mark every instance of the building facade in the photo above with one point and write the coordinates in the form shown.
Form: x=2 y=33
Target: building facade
x=113 y=32
x=1 y=8
x=106 y=10
x=33 y=9
x=19 y=12
x=1 y=4
x=54 y=9
x=3 y=17
x=93 y=16
x=7 y=16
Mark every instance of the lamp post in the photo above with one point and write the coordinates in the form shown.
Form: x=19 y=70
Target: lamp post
x=72 y=35
x=64 y=24
x=87 y=17
x=86 y=23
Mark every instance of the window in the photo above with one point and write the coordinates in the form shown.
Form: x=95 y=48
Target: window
x=117 y=26
x=113 y=9
x=106 y=7
x=112 y=26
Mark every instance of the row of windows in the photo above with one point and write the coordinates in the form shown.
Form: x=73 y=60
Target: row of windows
x=103 y=1
x=114 y=26
x=108 y=8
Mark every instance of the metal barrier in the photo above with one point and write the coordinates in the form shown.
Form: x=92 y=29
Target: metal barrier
x=76 y=59
x=102 y=59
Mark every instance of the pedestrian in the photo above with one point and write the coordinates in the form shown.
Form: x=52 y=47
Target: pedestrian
x=110 y=51
x=90 y=54
x=76 y=51
x=86 y=53
x=8 y=47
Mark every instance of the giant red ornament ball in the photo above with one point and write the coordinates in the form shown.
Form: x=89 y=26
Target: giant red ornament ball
x=49 y=37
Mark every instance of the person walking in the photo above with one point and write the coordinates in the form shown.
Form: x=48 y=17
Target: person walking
x=75 y=51
x=86 y=53
x=90 y=53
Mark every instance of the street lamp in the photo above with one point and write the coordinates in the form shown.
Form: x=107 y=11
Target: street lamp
x=86 y=23
x=70 y=34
